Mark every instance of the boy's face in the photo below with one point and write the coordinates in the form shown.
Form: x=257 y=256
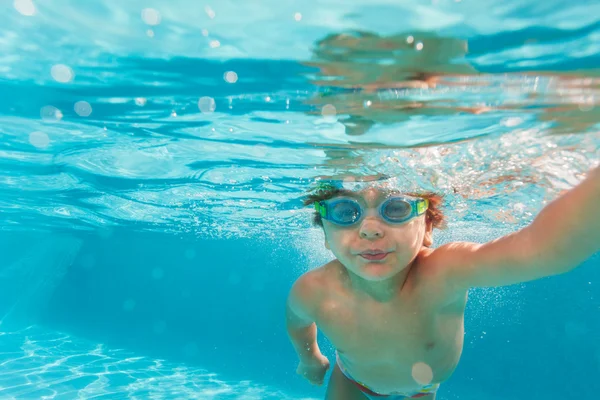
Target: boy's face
x=373 y=248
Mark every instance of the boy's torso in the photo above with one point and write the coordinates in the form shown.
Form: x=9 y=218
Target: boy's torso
x=387 y=345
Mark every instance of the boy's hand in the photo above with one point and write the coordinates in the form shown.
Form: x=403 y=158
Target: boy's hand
x=314 y=370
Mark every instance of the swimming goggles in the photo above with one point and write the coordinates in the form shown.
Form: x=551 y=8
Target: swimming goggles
x=346 y=211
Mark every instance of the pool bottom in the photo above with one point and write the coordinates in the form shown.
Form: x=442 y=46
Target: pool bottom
x=39 y=364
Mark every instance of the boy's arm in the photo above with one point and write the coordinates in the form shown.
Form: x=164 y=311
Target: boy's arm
x=562 y=236
x=301 y=326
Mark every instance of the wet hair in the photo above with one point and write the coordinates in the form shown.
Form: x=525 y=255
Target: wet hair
x=434 y=213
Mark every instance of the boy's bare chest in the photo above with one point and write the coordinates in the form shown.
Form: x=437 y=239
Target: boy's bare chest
x=393 y=333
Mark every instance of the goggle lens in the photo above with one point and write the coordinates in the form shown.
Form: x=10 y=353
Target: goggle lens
x=345 y=212
x=397 y=209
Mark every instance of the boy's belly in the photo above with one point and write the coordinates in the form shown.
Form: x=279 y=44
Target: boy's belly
x=401 y=358
x=404 y=373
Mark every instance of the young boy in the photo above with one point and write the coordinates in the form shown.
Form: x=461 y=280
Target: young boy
x=392 y=306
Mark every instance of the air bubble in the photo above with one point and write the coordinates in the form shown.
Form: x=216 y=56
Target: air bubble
x=25 y=7
x=83 y=108
x=140 y=101
x=298 y=16
x=62 y=73
x=51 y=113
x=511 y=121
x=214 y=44
x=210 y=12
x=207 y=105
x=230 y=77
x=39 y=140
x=587 y=104
x=150 y=16
x=328 y=111
x=419 y=46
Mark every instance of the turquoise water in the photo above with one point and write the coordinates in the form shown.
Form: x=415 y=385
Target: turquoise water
x=153 y=159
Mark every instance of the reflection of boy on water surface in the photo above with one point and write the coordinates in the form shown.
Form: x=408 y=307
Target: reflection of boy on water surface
x=362 y=69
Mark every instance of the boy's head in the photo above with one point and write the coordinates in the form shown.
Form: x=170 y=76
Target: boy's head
x=372 y=227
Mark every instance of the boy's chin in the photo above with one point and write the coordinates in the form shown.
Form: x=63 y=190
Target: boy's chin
x=377 y=272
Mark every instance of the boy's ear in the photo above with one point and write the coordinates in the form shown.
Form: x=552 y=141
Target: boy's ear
x=428 y=238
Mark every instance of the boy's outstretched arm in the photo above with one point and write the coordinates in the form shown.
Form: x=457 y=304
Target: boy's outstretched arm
x=302 y=331
x=564 y=234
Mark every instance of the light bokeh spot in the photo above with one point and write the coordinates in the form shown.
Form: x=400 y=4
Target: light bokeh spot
x=207 y=104
x=83 y=108
x=50 y=113
x=422 y=373
x=230 y=77
x=210 y=12
x=151 y=16
x=39 y=139
x=329 y=111
x=62 y=73
x=25 y=7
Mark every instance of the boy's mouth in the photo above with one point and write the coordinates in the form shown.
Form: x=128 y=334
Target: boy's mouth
x=374 y=255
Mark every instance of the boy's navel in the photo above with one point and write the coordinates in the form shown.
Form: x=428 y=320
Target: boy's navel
x=429 y=345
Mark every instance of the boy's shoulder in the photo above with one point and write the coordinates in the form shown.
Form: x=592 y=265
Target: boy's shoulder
x=317 y=278
x=448 y=253
x=312 y=287
x=436 y=265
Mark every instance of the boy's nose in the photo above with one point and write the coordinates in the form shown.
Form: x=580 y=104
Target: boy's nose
x=371 y=229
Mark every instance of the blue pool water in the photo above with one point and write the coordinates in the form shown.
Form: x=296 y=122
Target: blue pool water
x=153 y=159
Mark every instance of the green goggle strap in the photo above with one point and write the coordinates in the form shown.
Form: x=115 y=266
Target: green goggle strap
x=321 y=209
x=422 y=206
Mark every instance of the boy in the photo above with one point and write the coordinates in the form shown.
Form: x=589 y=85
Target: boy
x=393 y=307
